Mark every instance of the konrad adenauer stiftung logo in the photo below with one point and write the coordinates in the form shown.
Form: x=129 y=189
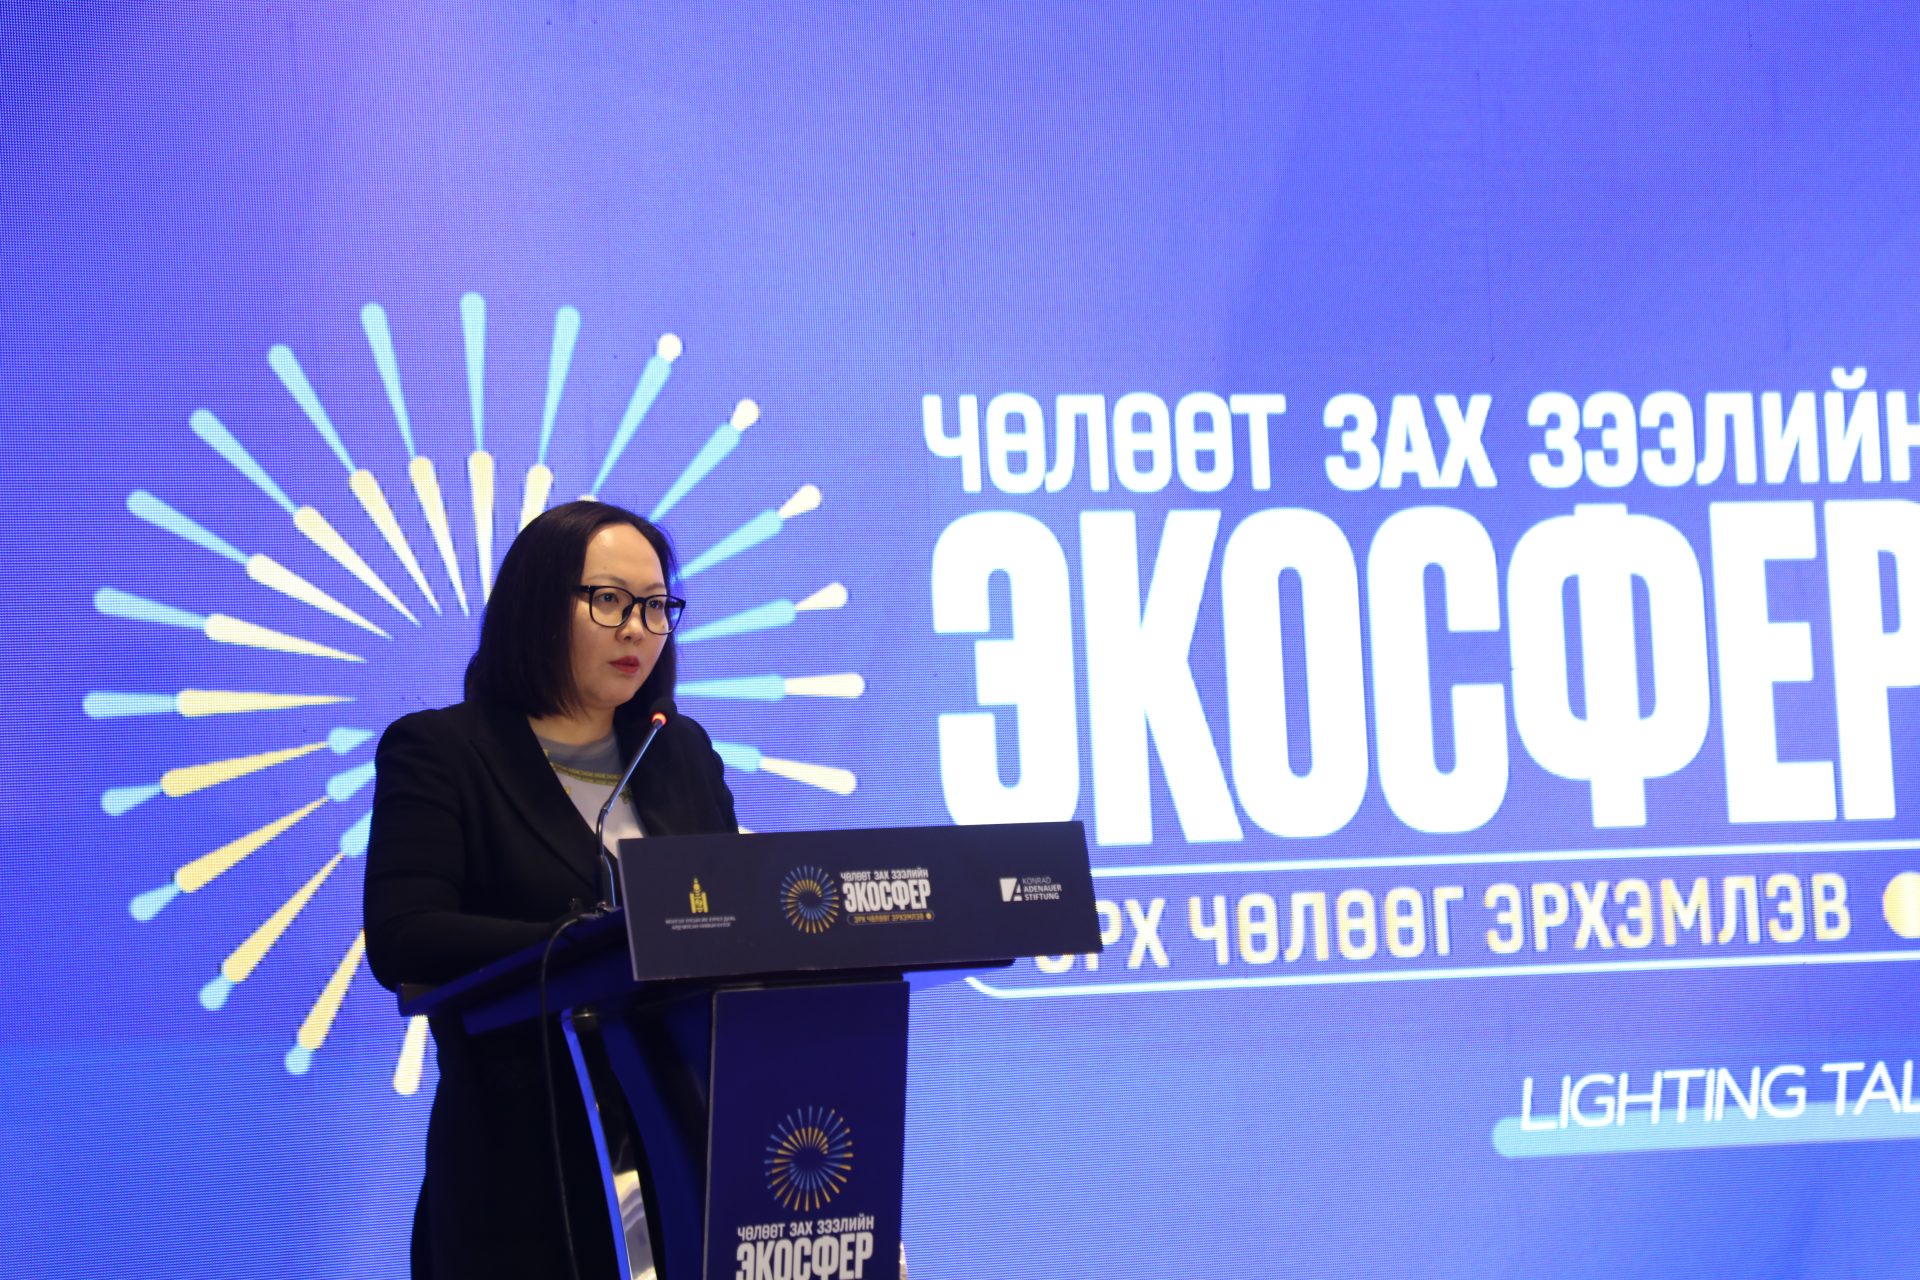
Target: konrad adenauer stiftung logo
x=809 y=1158
x=370 y=624
x=810 y=899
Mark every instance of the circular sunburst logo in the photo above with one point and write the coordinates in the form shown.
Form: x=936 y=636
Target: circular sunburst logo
x=809 y=1159
x=352 y=592
x=810 y=899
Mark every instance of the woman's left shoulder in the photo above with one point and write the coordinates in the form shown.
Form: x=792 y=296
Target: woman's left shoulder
x=689 y=729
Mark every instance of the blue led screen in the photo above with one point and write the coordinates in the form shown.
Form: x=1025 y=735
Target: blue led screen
x=1428 y=485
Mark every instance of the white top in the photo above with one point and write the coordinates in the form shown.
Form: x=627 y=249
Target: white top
x=587 y=772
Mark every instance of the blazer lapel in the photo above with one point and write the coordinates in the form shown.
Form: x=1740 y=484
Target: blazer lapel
x=647 y=795
x=526 y=779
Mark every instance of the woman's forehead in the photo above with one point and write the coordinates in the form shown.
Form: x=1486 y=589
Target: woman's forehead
x=621 y=553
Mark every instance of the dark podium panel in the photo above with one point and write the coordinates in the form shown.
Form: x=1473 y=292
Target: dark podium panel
x=740 y=1028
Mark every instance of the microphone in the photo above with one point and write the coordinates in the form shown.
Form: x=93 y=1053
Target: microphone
x=663 y=709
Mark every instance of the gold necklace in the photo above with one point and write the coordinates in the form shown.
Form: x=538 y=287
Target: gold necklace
x=607 y=780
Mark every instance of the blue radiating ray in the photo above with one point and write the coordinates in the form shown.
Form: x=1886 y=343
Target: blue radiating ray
x=105 y=705
x=373 y=318
x=299 y=1060
x=762 y=617
x=712 y=453
x=214 y=995
x=161 y=516
x=652 y=378
x=342 y=786
x=343 y=740
x=353 y=841
x=119 y=604
x=566 y=332
x=294 y=378
x=473 y=323
x=145 y=906
x=739 y=756
x=215 y=433
x=119 y=800
x=745 y=538
x=746 y=688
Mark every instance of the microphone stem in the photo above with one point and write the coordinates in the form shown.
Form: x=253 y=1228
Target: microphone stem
x=609 y=868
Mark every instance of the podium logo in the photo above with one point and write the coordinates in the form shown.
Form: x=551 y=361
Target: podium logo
x=810 y=899
x=697 y=899
x=809 y=1158
x=361 y=549
x=1029 y=889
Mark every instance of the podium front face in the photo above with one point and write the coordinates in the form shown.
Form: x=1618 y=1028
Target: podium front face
x=808 y=1115
x=751 y=1131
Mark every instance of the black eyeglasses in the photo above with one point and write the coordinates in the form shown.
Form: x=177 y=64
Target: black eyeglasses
x=611 y=607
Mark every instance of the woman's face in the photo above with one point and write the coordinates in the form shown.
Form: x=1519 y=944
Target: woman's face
x=611 y=663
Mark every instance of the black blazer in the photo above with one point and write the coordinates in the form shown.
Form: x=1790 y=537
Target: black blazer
x=475 y=852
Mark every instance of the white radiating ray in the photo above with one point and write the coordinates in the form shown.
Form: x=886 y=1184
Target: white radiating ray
x=653 y=376
x=831 y=596
x=766 y=525
x=846 y=684
x=777 y=688
x=539 y=483
x=209 y=867
x=194 y=875
x=218 y=627
x=723 y=441
x=264 y=570
x=480 y=481
x=326 y=1006
x=413 y=1057
x=806 y=498
x=473 y=322
x=310 y=522
x=228 y=630
x=186 y=780
x=271 y=574
x=426 y=486
x=840 y=782
x=194 y=703
x=366 y=487
x=533 y=499
x=765 y=617
x=307 y=520
x=245 y=958
x=361 y=481
x=748 y=759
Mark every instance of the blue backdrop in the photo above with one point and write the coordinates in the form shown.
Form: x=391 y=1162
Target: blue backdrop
x=1427 y=484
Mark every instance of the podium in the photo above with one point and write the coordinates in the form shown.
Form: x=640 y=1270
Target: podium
x=739 y=1029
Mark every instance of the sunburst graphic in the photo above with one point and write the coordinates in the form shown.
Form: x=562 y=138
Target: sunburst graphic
x=810 y=899
x=355 y=651
x=809 y=1159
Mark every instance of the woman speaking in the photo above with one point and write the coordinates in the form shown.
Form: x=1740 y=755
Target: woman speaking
x=482 y=843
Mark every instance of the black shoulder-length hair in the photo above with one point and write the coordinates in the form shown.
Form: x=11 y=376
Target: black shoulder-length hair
x=525 y=658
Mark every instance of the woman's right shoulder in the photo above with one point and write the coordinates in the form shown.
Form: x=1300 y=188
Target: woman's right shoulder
x=432 y=726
